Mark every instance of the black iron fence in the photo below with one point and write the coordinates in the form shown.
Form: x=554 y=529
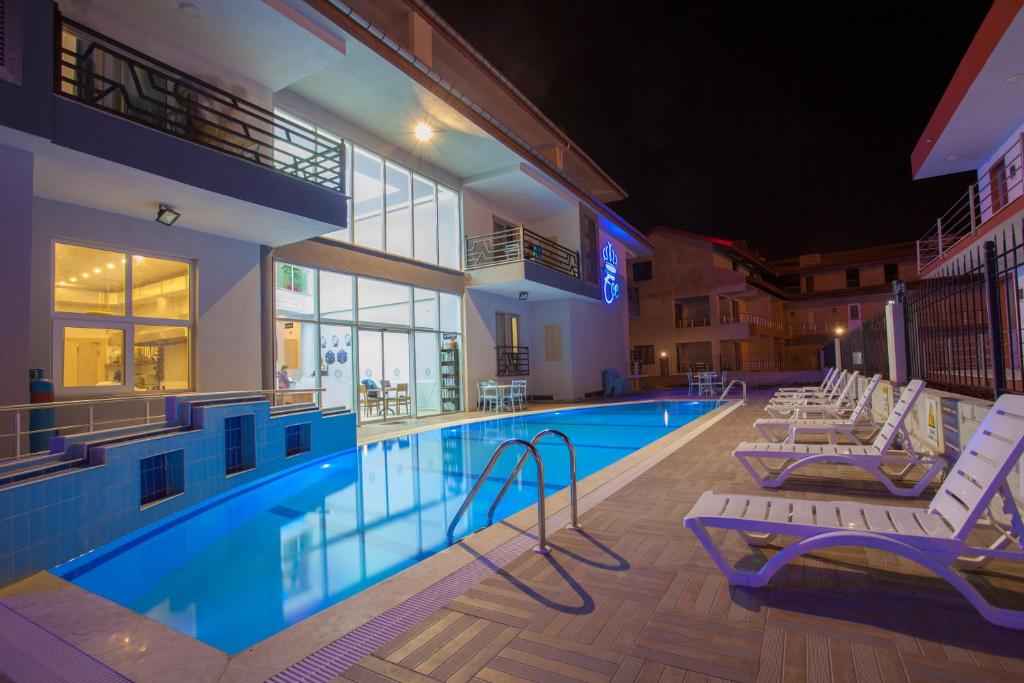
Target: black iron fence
x=512 y=361
x=866 y=348
x=773 y=362
x=964 y=328
x=103 y=73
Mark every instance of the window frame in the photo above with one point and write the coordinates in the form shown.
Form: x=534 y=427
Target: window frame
x=895 y=266
x=127 y=322
x=856 y=277
x=650 y=270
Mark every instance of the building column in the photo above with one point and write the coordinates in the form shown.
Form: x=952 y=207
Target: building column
x=15 y=272
x=896 y=342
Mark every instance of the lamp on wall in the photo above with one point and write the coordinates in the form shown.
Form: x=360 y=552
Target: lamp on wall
x=166 y=215
x=524 y=295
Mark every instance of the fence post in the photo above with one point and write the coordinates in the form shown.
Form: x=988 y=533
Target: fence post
x=974 y=214
x=896 y=341
x=995 y=329
x=839 y=353
x=938 y=228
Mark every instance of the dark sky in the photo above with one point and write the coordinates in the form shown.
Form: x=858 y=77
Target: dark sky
x=788 y=124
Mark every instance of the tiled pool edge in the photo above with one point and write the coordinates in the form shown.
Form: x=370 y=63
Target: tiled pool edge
x=338 y=656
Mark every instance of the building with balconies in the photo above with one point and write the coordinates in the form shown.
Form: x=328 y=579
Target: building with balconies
x=709 y=303
x=289 y=195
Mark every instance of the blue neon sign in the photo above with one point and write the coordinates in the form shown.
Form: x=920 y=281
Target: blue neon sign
x=610 y=265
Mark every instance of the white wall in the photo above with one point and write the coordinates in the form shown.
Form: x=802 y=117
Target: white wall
x=15 y=273
x=1011 y=153
x=227 y=317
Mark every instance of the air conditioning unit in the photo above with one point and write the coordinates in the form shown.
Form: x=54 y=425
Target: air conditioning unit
x=10 y=41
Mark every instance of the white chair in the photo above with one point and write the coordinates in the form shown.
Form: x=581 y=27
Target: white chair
x=480 y=392
x=770 y=464
x=792 y=427
x=826 y=385
x=490 y=396
x=833 y=406
x=691 y=384
x=937 y=538
x=718 y=385
x=518 y=396
x=840 y=384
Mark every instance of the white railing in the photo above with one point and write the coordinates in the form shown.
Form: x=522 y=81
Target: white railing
x=81 y=416
x=753 y=319
x=981 y=202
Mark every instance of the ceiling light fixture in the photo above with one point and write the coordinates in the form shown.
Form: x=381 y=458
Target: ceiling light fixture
x=1015 y=78
x=189 y=9
x=167 y=215
x=422 y=131
x=523 y=296
x=73 y=279
x=952 y=157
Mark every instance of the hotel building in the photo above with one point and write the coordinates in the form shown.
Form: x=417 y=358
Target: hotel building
x=292 y=194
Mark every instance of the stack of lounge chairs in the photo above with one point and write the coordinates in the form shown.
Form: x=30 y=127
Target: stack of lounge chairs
x=940 y=537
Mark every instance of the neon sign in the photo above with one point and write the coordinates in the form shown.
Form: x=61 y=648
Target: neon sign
x=610 y=265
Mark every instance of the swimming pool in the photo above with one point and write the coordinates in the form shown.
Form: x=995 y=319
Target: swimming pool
x=240 y=567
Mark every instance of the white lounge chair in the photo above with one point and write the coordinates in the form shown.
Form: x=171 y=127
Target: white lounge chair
x=787 y=430
x=826 y=385
x=937 y=538
x=837 y=405
x=841 y=383
x=770 y=464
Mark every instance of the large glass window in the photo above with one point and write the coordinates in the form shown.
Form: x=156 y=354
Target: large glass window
x=109 y=336
x=388 y=349
x=448 y=241
x=425 y=219
x=368 y=199
x=398 y=221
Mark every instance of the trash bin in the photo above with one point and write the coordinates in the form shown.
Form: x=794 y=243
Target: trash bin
x=40 y=390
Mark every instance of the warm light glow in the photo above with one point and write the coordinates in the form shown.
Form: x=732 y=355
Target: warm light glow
x=74 y=279
x=839 y=331
x=110 y=266
x=663 y=354
x=95 y=270
x=85 y=275
x=423 y=131
x=62 y=283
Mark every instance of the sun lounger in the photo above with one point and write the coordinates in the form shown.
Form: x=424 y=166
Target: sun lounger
x=770 y=464
x=836 y=405
x=789 y=429
x=828 y=391
x=826 y=385
x=937 y=538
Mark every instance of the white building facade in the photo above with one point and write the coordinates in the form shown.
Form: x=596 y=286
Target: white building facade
x=231 y=195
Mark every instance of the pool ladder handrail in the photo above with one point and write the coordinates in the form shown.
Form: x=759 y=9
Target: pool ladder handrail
x=529 y=449
x=728 y=388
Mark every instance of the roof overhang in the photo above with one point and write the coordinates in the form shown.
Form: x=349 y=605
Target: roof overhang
x=980 y=108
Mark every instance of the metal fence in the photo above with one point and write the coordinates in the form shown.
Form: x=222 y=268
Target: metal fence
x=520 y=244
x=865 y=348
x=964 y=329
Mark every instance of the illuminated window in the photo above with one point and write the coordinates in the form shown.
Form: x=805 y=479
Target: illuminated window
x=109 y=337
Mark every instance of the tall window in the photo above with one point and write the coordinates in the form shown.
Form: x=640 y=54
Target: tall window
x=122 y=321
x=853 y=277
x=808 y=283
x=892 y=272
x=508 y=331
x=642 y=270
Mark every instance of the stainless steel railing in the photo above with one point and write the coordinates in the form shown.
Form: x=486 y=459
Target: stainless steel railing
x=529 y=450
x=729 y=387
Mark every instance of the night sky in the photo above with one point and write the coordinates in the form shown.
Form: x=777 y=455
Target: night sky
x=787 y=124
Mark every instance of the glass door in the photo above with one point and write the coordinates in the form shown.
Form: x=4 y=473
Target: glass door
x=384 y=382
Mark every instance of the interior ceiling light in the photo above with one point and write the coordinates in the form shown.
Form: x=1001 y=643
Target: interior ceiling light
x=167 y=215
x=422 y=131
x=1016 y=78
x=189 y=9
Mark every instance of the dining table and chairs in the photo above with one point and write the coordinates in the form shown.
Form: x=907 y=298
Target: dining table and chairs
x=384 y=400
x=498 y=397
x=705 y=382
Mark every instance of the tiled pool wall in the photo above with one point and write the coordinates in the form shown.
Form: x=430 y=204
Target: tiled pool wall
x=48 y=521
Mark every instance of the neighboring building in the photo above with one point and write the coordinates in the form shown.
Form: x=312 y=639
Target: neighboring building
x=362 y=197
x=704 y=302
x=978 y=127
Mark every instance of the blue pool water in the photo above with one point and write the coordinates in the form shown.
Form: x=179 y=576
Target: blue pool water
x=239 y=568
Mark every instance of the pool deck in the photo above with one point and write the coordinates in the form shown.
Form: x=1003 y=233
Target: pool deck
x=633 y=597
x=636 y=598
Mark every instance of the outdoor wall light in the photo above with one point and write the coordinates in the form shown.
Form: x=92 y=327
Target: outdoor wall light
x=664 y=355
x=523 y=296
x=422 y=131
x=167 y=215
x=839 y=332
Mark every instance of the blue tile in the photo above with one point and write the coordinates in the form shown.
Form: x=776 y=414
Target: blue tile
x=21 y=533
x=37 y=520
x=6 y=569
x=22 y=499
x=37 y=495
x=38 y=558
x=6 y=537
x=22 y=563
x=53 y=521
x=6 y=504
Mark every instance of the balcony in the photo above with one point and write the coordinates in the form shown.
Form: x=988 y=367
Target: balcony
x=728 y=327
x=117 y=104
x=518 y=260
x=981 y=206
x=512 y=361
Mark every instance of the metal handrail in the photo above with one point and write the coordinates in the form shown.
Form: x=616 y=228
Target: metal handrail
x=728 y=388
x=542 y=546
x=574 y=521
x=520 y=244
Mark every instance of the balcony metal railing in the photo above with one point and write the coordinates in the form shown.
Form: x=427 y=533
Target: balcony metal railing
x=816 y=329
x=982 y=201
x=684 y=323
x=520 y=244
x=513 y=361
x=753 y=319
x=105 y=74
